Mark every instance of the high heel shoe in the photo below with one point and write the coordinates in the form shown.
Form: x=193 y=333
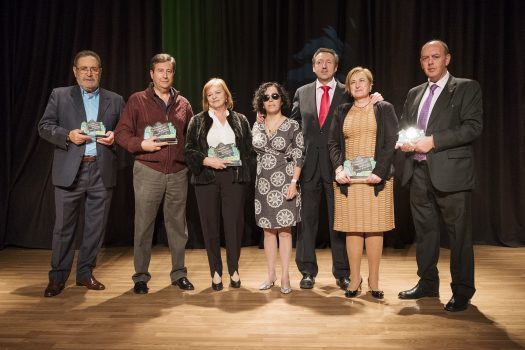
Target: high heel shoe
x=235 y=284
x=217 y=286
x=286 y=290
x=378 y=294
x=354 y=293
x=266 y=285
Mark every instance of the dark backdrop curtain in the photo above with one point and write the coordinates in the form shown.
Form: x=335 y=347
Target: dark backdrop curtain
x=40 y=40
x=247 y=43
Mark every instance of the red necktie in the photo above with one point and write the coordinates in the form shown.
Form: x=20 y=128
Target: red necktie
x=325 y=105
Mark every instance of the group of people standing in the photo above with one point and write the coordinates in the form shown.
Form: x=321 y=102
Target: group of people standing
x=300 y=157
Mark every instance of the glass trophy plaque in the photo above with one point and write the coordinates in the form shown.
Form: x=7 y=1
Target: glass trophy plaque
x=410 y=135
x=93 y=128
x=228 y=152
x=165 y=132
x=359 y=167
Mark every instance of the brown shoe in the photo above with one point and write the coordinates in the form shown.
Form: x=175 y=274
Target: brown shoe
x=91 y=283
x=53 y=288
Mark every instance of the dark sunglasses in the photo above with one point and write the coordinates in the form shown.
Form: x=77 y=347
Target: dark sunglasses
x=266 y=98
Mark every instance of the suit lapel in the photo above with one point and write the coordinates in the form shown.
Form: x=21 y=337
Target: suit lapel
x=417 y=102
x=442 y=101
x=78 y=103
x=103 y=104
x=312 y=105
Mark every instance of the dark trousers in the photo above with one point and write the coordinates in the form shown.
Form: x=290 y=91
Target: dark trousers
x=306 y=237
x=227 y=199
x=430 y=207
x=89 y=190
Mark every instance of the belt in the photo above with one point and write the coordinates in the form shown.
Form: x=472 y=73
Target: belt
x=89 y=158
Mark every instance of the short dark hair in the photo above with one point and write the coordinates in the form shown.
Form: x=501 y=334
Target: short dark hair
x=438 y=41
x=258 y=105
x=85 y=53
x=326 y=50
x=161 y=58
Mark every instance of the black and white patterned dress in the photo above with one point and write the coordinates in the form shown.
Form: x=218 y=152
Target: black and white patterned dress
x=277 y=156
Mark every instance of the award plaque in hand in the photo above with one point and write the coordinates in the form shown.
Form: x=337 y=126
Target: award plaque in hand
x=227 y=152
x=359 y=167
x=93 y=129
x=165 y=132
x=410 y=135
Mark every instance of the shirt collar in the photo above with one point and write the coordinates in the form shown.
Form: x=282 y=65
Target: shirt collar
x=331 y=83
x=211 y=112
x=89 y=94
x=441 y=82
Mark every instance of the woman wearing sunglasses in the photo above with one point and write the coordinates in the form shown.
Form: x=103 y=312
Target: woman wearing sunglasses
x=218 y=152
x=278 y=142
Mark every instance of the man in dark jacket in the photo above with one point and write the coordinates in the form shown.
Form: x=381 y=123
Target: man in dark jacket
x=439 y=169
x=84 y=169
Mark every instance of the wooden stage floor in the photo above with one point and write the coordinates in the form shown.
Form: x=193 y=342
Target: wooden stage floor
x=322 y=318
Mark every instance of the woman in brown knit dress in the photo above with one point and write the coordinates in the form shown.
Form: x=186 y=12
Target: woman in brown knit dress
x=364 y=206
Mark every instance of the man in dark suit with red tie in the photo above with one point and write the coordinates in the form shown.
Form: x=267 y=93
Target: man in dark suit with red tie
x=314 y=105
x=439 y=169
x=84 y=169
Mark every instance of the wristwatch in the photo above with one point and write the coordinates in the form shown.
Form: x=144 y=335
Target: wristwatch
x=294 y=181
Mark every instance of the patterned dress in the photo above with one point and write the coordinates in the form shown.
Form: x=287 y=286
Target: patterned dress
x=277 y=156
x=362 y=211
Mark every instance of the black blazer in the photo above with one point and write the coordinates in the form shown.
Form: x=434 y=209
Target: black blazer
x=455 y=121
x=315 y=138
x=386 y=137
x=65 y=112
x=196 y=147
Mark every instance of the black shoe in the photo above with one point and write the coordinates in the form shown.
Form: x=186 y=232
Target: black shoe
x=343 y=282
x=141 y=287
x=418 y=292
x=183 y=284
x=234 y=284
x=307 y=282
x=217 y=286
x=54 y=288
x=378 y=294
x=457 y=303
x=354 y=293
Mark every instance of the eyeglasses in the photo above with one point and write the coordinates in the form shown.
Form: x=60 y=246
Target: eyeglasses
x=266 y=98
x=85 y=70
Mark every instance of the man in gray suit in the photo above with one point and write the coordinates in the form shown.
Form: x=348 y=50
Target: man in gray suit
x=84 y=169
x=439 y=169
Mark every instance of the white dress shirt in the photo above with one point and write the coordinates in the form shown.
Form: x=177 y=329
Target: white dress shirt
x=219 y=133
x=319 y=92
x=441 y=83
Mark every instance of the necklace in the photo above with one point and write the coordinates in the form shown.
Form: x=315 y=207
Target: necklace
x=355 y=104
x=272 y=127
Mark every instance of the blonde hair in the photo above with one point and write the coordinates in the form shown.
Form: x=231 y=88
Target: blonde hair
x=222 y=84
x=355 y=70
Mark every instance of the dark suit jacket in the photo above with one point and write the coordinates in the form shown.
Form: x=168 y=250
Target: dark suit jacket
x=455 y=121
x=304 y=109
x=65 y=112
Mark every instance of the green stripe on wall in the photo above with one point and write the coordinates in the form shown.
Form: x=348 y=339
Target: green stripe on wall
x=191 y=33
